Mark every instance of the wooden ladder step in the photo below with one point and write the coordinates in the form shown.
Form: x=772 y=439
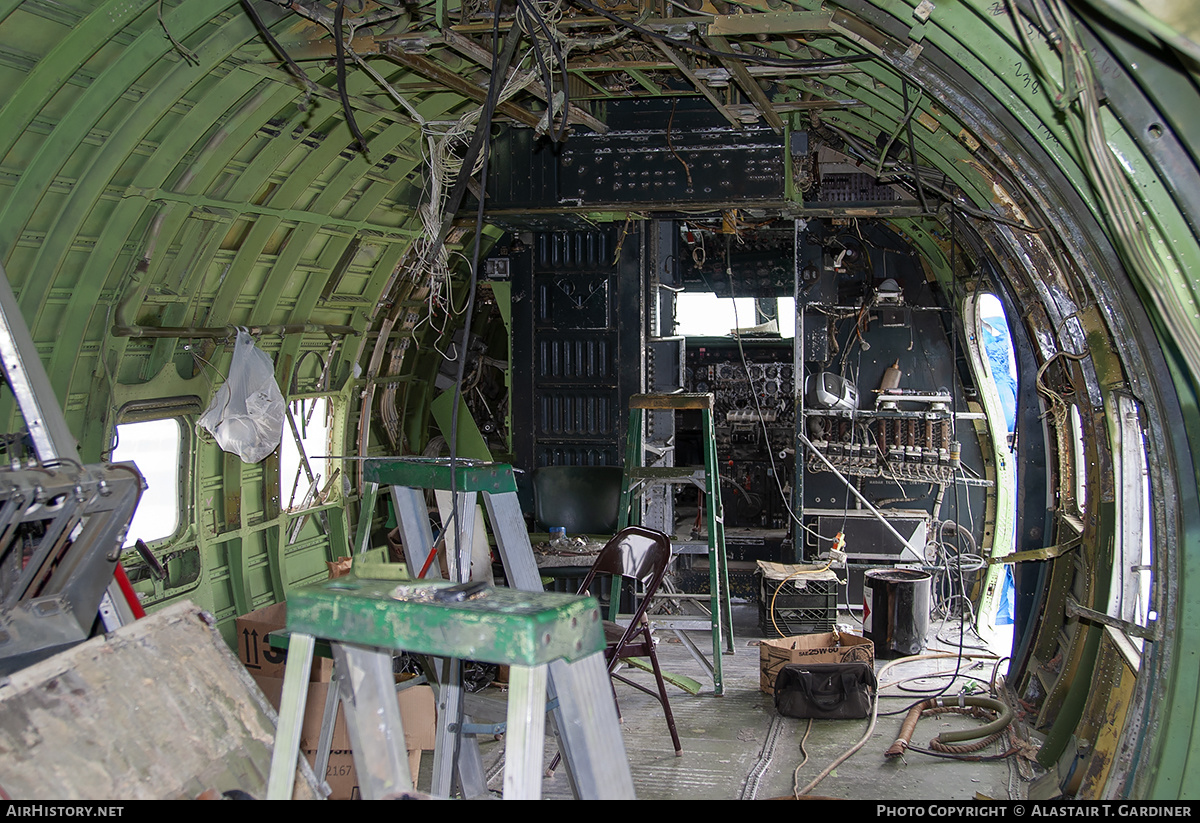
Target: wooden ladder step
x=678 y=400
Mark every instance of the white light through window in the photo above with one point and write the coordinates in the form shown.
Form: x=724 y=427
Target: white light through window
x=312 y=422
x=154 y=446
x=703 y=314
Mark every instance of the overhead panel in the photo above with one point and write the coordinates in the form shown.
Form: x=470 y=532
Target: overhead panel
x=657 y=152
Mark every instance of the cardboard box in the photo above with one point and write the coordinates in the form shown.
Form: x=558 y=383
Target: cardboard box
x=826 y=647
x=342 y=778
x=255 y=652
x=418 y=715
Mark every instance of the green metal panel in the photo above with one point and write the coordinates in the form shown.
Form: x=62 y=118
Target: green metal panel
x=90 y=192
x=1172 y=749
x=469 y=440
x=499 y=625
x=71 y=129
x=429 y=473
x=56 y=68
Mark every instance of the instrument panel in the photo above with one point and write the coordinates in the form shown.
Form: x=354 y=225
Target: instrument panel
x=754 y=415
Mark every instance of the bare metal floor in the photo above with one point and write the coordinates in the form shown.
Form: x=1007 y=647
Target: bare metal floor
x=737 y=747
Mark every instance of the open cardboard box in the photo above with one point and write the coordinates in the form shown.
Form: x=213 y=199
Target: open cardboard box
x=825 y=647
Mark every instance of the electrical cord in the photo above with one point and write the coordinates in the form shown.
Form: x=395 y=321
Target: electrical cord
x=796 y=773
x=873 y=720
x=273 y=44
x=899 y=684
x=912 y=148
x=455 y=521
x=779 y=588
x=340 y=53
x=534 y=14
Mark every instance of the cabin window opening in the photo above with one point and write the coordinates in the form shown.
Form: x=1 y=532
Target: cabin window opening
x=1129 y=593
x=994 y=363
x=311 y=440
x=704 y=314
x=1002 y=361
x=1078 y=465
x=156 y=448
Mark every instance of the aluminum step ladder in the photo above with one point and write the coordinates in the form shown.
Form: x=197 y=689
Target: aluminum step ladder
x=583 y=714
x=639 y=477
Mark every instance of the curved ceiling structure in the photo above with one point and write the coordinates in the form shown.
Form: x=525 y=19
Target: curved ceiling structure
x=172 y=169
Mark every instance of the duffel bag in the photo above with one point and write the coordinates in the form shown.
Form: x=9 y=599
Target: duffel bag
x=825 y=690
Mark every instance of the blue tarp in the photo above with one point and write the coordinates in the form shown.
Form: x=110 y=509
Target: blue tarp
x=998 y=345
x=999 y=351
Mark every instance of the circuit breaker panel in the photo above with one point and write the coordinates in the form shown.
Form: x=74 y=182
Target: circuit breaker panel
x=844 y=412
x=576 y=356
x=888 y=445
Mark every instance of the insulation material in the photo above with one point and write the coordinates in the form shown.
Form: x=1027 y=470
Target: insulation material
x=159 y=709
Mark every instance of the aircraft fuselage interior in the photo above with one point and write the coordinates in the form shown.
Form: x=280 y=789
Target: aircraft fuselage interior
x=933 y=263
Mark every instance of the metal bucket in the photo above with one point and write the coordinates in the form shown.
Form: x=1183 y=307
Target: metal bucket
x=896 y=610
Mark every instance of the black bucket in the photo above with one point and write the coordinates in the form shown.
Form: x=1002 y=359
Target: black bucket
x=896 y=610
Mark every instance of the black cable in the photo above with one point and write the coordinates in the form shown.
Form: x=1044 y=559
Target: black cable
x=971 y=758
x=340 y=51
x=480 y=147
x=274 y=45
x=954 y=417
x=535 y=17
x=912 y=150
x=531 y=10
x=483 y=127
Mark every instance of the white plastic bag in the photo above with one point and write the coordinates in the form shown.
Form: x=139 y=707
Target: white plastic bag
x=246 y=414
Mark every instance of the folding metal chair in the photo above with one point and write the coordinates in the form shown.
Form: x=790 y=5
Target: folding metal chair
x=639 y=554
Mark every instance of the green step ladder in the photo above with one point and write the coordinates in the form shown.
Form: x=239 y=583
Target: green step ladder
x=639 y=477
x=569 y=676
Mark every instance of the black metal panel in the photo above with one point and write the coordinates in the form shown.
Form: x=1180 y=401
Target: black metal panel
x=665 y=364
x=852 y=187
x=761 y=262
x=664 y=152
x=658 y=165
x=522 y=171
x=568 y=455
x=570 y=359
x=590 y=250
x=576 y=302
x=576 y=413
x=573 y=359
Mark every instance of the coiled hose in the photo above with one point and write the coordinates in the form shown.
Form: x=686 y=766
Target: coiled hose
x=952 y=742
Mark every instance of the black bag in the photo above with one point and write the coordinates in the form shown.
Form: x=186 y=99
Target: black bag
x=825 y=690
